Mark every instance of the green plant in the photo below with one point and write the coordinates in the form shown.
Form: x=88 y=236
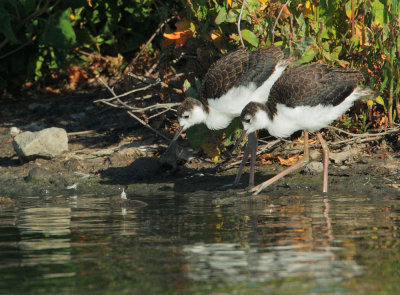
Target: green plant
x=40 y=37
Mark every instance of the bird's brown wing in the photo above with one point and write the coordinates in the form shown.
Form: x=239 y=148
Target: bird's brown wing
x=315 y=84
x=237 y=68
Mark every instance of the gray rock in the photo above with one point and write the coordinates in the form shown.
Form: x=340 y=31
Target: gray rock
x=46 y=143
x=347 y=155
x=315 y=155
x=314 y=167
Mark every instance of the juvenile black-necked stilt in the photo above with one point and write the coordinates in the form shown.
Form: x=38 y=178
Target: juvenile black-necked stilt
x=304 y=98
x=229 y=85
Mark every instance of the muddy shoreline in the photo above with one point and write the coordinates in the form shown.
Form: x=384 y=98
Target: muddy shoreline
x=109 y=151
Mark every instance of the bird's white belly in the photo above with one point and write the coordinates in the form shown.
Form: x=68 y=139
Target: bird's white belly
x=289 y=120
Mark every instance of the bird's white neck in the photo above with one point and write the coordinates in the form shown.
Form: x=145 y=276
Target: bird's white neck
x=217 y=120
x=262 y=93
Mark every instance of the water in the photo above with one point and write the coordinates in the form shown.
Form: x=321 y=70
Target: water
x=186 y=244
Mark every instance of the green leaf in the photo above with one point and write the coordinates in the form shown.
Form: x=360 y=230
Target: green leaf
x=324 y=34
x=6 y=28
x=221 y=17
x=378 y=10
x=232 y=132
x=59 y=31
x=250 y=37
x=232 y=16
x=197 y=134
x=307 y=56
x=190 y=91
x=347 y=7
x=379 y=100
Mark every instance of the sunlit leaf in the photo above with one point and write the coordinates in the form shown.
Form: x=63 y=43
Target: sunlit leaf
x=289 y=161
x=59 y=31
x=250 y=37
x=379 y=100
x=307 y=56
x=347 y=7
x=378 y=10
x=229 y=3
x=181 y=35
x=221 y=17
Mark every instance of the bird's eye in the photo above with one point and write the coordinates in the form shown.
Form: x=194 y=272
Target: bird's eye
x=247 y=120
x=185 y=116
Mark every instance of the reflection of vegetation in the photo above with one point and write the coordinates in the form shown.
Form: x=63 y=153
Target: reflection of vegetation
x=382 y=264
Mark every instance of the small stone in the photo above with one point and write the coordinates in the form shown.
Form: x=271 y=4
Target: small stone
x=46 y=143
x=314 y=167
x=315 y=155
x=14 y=131
x=347 y=155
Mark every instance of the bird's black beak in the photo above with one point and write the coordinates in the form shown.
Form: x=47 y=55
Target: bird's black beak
x=176 y=136
x=177 y=133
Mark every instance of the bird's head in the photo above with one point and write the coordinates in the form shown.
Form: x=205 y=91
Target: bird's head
x=190 y=112
x=254 y=117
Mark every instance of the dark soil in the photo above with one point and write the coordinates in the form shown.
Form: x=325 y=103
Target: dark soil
x=108 y=151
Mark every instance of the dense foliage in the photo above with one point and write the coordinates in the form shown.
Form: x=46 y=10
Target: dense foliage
x=39 y=39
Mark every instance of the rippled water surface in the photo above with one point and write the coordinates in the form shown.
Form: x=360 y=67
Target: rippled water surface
x=186 y=244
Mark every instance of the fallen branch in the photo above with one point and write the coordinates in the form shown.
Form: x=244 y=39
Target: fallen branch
x=129 y=108
x=139 y=89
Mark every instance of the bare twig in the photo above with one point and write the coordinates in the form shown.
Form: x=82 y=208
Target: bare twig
x=238 y=23
x=277 y=19
x=389 y=131
x=143 y=88
x=148 y=126
x=130 y=113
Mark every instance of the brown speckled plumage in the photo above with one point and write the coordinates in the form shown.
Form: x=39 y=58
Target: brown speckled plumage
x=239 y=68
x=311 y=85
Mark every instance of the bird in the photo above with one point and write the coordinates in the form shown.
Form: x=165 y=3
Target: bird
x=229 y=84
x=307 y=98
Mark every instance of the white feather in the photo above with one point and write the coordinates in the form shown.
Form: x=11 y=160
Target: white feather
x=262 y=93
x=289 y=120
x=229 y=106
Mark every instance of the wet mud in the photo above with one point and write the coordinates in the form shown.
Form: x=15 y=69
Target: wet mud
x=109 y=152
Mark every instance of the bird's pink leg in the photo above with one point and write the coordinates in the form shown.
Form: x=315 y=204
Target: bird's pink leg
x=251 y=149
x=325 y=151
x=302 y=162
x=253 y=142
x=242 y=164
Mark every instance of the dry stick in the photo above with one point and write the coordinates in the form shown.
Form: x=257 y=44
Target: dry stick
x=238 y=24
x=389 y=131
x=141 y=78
x=277 y=19
x=133 y=115
x=141 y=89
x=148 y=126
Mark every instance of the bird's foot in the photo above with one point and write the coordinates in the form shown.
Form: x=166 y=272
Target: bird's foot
x=231 y=185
